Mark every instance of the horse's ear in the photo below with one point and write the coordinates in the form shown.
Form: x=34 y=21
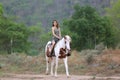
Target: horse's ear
x=64 y=37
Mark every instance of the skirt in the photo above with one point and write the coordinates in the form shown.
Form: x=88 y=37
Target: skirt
x=56 y=39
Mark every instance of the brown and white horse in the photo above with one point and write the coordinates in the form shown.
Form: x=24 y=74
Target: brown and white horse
x=61 y=51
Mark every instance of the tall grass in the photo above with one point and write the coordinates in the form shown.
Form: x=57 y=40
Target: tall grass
x=88 y=64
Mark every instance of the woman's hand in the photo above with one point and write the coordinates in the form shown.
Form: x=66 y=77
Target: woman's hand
x=60 y=37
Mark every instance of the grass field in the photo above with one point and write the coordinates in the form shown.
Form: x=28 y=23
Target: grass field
x=105 y=64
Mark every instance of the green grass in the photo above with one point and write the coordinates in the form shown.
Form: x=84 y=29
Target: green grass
x=1 y=73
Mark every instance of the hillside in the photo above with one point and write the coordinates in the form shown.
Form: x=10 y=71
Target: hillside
x=32 y=12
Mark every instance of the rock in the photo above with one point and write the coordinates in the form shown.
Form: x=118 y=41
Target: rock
x=100 y=47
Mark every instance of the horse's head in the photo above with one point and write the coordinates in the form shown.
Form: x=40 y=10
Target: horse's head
x=67 y=43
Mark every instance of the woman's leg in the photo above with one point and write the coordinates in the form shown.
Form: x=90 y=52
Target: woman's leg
x=53 y=43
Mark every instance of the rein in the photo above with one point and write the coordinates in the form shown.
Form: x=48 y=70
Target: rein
x=65 y=45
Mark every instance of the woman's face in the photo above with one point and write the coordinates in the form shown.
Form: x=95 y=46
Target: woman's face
x=55 y=23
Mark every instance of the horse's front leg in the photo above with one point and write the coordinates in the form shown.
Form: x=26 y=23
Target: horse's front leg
x=52 y=65
x=56 y=66
x=66 y=66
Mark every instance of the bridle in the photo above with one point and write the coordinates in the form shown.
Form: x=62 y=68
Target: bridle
x=66 y=48
x=65 y=45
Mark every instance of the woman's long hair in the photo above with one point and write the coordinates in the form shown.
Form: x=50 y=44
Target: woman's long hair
x=56 y=22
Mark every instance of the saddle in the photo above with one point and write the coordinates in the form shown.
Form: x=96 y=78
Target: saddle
x=50 y=54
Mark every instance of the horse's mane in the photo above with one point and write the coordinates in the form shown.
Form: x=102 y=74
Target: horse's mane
x=59 y=41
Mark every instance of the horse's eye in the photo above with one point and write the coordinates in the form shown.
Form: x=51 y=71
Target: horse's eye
x=65 y=42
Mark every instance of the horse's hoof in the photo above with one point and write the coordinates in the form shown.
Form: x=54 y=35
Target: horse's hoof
x=47 y=73
x=68 y=76
x=51 y=75
x=56 y=76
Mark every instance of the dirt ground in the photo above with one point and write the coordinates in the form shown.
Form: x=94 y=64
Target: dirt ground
x=49 y=77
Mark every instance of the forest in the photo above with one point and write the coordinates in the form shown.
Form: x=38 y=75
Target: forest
x=43 y=11
x=25 y=25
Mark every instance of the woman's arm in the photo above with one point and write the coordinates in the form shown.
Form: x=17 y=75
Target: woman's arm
x=59 y=33
x=54 y=33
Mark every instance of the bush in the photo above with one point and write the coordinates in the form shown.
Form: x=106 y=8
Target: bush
x=89 y=58
x=32 y=52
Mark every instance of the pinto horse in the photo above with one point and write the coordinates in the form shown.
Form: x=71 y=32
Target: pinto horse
x=61 y=51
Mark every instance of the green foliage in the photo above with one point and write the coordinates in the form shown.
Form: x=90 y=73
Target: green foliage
x=31 y=12
x=114 y=13
x=38 y=38
x=114 y=16
x=88 y=28
x=13 y=36
x=1 y=10
x=19 y=38
x=33 y=52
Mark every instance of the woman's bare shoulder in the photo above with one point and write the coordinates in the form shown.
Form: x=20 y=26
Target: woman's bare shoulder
x=52 y=27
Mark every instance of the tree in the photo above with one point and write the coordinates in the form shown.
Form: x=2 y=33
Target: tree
x=13 y=36
x=1 y=10
x=88 y=28
x=114 y=13
x=38 y=38
x=31 y=12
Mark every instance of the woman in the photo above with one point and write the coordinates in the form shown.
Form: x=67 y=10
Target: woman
x=56 y=34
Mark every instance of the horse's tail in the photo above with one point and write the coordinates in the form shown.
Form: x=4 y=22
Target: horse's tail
x=46 y=50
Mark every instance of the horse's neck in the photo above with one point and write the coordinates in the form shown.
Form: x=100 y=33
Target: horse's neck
x=61 y=43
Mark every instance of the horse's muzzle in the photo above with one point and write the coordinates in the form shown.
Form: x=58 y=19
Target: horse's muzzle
x=69 y=53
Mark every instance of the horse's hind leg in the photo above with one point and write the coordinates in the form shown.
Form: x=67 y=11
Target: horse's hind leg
x=66 y=67
x=56 y=66
x=52 y=65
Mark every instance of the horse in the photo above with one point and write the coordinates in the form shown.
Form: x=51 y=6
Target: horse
x=62 y=51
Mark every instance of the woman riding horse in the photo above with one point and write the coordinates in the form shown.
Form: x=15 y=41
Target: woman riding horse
x=56 y=35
